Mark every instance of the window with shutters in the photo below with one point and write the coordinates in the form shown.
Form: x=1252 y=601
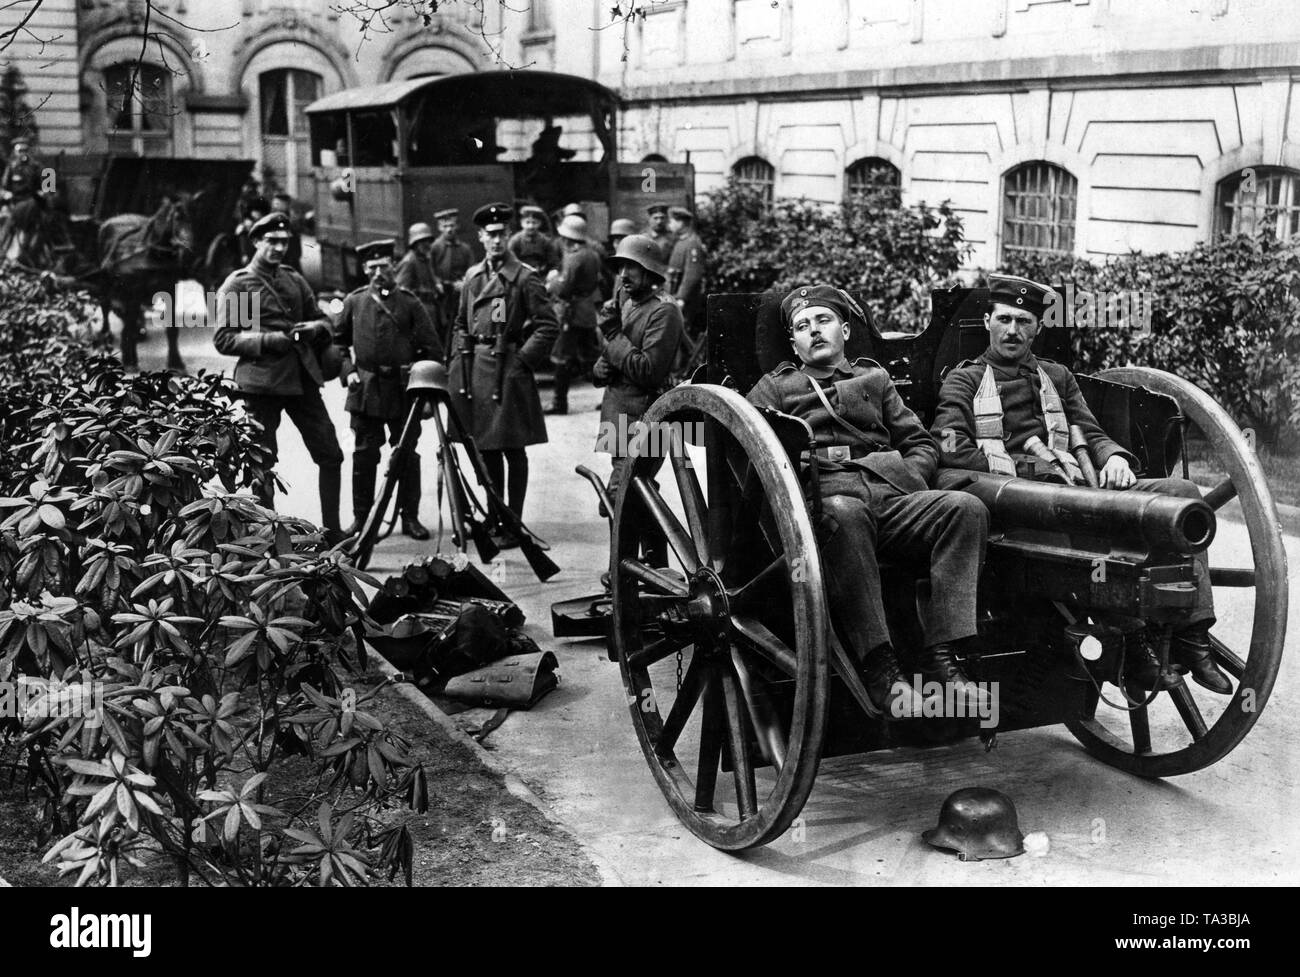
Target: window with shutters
x=758 y=173
x=1038 y=210
x=1260 y=199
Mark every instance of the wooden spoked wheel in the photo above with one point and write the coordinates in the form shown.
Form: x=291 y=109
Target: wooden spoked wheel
x=722 y=650
x=1188 y=727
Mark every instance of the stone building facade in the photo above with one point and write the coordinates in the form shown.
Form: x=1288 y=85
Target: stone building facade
x=1072 y=126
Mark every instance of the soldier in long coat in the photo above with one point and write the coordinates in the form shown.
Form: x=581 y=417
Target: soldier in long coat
x=576 y=288
x=280 y=347
x=990 y=407
x=876 y=461
x=505 y=328
x=383 y=328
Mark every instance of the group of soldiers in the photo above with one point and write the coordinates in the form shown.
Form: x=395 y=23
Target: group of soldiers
x=494 y=323
x=891 y=489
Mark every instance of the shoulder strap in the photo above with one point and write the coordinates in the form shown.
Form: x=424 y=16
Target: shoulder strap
x=821 y=395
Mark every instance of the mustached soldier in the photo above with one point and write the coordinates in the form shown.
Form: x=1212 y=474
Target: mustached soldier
x=875 y=462
x=990 y=407
x=385 y=328
x=504 y=331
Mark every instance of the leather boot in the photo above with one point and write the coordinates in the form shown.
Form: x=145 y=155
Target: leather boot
x=331 y=485
x=410 y=501
x=560 y=405
x=886 y=687
x=1191 y=647
x=1142 y=665
x=938 y=663
x=363 y=491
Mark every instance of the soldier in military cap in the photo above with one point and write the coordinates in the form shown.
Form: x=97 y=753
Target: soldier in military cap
x=279 y=368
x=657 y=229
x=686 y=270
x=876 y=461
x=386 y=328
x=452 y=258
x=505 y=328
x=415 y=271
x=991 y=407
x=576 y=289
x=642 y=329
x=531 y=245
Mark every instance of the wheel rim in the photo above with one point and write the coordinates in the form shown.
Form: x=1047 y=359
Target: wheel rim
x=707 y=604
x=1141 y=750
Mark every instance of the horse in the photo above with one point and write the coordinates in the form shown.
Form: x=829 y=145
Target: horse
x=139 y=257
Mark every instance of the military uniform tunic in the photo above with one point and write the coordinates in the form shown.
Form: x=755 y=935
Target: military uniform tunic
x=576 y=292
x=665 y=240
x=415 y=274
x=686 y=277
x=385 y=335
x=536 y=249
x=510 y=299
x=876 y=501
x=451 y=262
x=273 y=383
x=1020 y=389
x=640 y=357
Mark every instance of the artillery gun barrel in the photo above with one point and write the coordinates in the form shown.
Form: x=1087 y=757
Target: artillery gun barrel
x=1163 y=522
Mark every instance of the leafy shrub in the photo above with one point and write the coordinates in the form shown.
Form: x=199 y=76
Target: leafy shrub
x=1226 y=317
x=871 y=244
x=208 y=625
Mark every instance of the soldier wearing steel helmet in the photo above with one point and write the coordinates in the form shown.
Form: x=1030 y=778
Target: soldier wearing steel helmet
x=642 y=329
x=618 y=230
x=384 y=328
x=576 y=289
x=415 y=271
x=505 y=328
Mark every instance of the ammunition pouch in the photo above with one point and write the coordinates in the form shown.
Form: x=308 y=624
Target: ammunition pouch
x=518 y=681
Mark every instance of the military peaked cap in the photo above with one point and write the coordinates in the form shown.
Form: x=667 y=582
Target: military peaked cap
x=444 y=214
x=681 y=213
x=1019 y=292
x=376 y=251
x=824 y=296
x=494 y=216
x=273 y=223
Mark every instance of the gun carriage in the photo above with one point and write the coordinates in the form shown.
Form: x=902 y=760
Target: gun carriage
x=737 y=684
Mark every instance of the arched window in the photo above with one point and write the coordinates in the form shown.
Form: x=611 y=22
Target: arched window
x=284 y=94
x=871 y=173
x=756 y=172
x=1260 y=198
x=140 y=111
x=1038 y=207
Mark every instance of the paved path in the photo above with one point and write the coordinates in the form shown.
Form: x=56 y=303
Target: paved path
x=1231 y=823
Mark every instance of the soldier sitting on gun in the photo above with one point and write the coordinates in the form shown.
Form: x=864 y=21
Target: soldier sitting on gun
x=1009 y=413
x=386 y=329
x=876 y=461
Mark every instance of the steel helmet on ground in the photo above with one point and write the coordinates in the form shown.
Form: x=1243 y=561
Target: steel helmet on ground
x=419 y=232
x=977 y=823
x=641 y=250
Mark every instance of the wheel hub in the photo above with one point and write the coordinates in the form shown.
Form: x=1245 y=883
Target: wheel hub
x=707 y=608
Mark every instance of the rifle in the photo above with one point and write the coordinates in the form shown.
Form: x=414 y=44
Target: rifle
x=458 y=500
x=530 y=545
x=364 y=545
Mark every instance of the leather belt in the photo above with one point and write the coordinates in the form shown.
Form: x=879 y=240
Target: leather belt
x=490 y=341
x=840 y=452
